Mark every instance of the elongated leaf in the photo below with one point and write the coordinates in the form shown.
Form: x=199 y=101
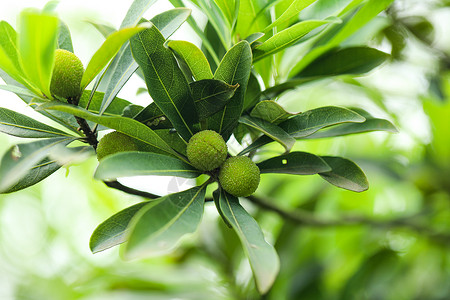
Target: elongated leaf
x=107 y=50
x=345 y=174
x=19 y=159
x=299 y=163
x=228 y=8
x=270 y=111
x=233 y=69
x=114 y=230
x=104 y=29
x=271 y=130
x=354 y=60
x=128 y=126
x=116 y=108
x=135 y=12
x=371 y=124
x=67 y=156
x=292 y=11
x=193 y=57
x=248 y=19
x=123 y=66
x=16 y=124
x=8 y=42
x=263 y=258
x=309 y=122
x=169 y=21
x=37 y=44
x=37 y=173
x=165 y=81
x=152 y=116
x=313 y=120
x=370 y=10
x=287 y=37
x=253 y=92
x=143 y=163
x=19 y=91
x=64 y=40
x=211 y=95
x=254 y=37
x=157 y=229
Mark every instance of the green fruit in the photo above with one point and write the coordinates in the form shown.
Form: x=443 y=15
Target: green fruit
x=239 y=176
x=115 y=142
x=67 y=73
x=206 y=150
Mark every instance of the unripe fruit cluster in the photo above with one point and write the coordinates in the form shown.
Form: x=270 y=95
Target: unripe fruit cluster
x=115 y=142
x=238 y=175
x=67 y=74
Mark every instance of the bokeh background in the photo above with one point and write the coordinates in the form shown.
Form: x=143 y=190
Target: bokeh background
x=390 y=242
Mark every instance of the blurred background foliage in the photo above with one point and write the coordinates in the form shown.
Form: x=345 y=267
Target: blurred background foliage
x=391 y=242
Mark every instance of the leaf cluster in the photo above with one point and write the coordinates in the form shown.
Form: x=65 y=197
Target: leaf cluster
x=231 y=84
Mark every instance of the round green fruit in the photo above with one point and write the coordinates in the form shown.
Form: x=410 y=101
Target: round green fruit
x=115 y=142
x=239 y=176
x=67 y=73
x=206 y=150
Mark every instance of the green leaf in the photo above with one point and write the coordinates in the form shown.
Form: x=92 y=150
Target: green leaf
x=157 y=229
x=37 y=44
x=271 y=130
x=354 y=60
x=370 y=124
x=127 y=164
x=218 y=21
x=128 y=126
x=64 y=40
x=135 y=12
x=165 y=81
x=263 y=258
x=67 y=156
x=114 y=230
x=228 y=8
x=152 y=116
x=37 y=173
x=19 y=159
x=169 y=21
x=310 y=121
x=299 y=163
x=19 y=125
x=292 y=11
x=8 y=42
x=254 y=37
x=104 y=29
x=210 y=96
x=253 y=92
x=248 y=19
x=233 y=69
x=370 y=10
x=19 y=91
x=287 y=37
x=124 y=66
x=116 y=107
x=270 y=111
x=345 y=174
x=107 y=50
x=193 y=57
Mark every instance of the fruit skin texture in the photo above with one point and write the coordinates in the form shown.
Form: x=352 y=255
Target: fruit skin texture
x=115 y=142
x=206 y=150
x=239 y=176
x=67 y=73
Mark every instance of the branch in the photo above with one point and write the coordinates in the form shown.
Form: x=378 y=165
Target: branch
x=307 y=219
x=118 y=186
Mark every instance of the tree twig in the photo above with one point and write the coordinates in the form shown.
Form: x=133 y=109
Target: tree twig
x=307 y=219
